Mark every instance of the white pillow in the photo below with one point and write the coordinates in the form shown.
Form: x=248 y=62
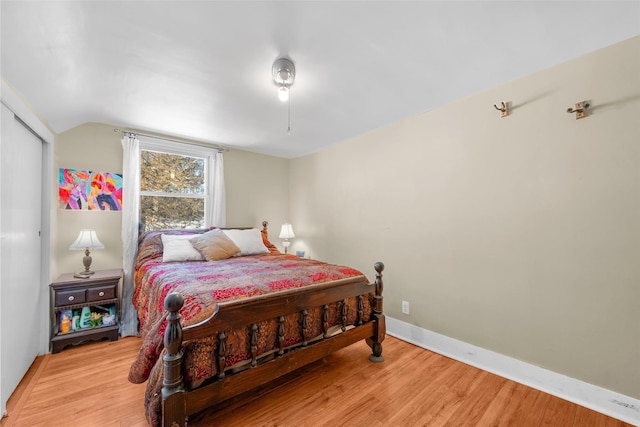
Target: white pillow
x=179 y=248
x=249 y=241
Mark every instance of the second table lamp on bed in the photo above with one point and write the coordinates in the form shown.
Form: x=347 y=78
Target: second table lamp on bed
x=286 y=233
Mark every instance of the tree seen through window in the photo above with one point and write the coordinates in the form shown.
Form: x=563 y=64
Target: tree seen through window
x=172 y=190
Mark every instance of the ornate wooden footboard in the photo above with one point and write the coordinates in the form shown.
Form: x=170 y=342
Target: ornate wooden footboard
x=178 y=403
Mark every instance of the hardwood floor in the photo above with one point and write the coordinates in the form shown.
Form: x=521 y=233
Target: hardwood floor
x=87 y=386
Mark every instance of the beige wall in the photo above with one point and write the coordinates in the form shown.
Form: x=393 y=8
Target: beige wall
x=256 y=188
x=520 y=234
x=92 y=147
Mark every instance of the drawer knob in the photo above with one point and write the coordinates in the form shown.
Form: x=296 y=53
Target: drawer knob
x=71 y=298
x=101 y=293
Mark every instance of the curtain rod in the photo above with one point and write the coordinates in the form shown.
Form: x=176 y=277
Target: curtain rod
x=129 y=133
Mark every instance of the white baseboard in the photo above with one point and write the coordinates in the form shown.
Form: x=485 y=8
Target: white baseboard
x=588 y=395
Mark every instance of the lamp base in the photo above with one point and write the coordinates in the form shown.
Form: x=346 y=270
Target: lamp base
x=83 y=275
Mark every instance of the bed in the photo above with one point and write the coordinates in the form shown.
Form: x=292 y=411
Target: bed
x=219 y=325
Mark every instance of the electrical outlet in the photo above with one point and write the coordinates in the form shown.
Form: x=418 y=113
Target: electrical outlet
x=405 y=307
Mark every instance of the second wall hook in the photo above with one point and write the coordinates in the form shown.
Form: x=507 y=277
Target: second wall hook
x=504 y=110
x=580 y=109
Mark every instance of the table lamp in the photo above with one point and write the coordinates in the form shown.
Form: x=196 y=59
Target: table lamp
x=87 y=239
x=286 y=233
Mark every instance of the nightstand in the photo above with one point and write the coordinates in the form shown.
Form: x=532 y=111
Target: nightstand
x=84 y=309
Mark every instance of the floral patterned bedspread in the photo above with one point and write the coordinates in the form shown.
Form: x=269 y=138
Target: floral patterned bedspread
x=202 y=284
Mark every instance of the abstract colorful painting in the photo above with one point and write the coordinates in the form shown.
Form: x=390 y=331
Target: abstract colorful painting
x=87 y=190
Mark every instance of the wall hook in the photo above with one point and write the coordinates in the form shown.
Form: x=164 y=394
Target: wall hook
x=580 y=109
x=504 y=110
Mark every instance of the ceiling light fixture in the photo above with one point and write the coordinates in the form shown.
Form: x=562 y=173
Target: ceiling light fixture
x=284 y=74
x=283 y=93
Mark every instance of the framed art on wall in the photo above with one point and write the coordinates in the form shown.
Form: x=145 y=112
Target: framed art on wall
x=88 y=190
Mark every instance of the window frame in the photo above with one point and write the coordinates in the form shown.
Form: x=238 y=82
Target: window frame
x=187 y=150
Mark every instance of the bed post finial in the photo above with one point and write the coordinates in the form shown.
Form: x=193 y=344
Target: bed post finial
x=173 y=392
x=265 y=224
x=375 y=342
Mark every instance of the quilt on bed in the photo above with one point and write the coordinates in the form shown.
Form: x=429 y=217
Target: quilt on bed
x=202 y=284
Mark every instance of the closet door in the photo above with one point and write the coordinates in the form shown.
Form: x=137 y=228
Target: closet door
x=20 y=253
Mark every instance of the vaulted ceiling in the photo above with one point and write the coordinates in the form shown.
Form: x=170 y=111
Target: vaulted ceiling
x=202 y=69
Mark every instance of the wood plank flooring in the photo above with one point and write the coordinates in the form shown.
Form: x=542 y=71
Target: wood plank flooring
x=87 y=386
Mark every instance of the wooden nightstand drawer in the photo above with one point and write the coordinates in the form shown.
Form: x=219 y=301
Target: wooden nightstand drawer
x=101 y=293
x=74 y=296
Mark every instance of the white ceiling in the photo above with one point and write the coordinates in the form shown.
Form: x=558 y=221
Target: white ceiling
x=202 y=69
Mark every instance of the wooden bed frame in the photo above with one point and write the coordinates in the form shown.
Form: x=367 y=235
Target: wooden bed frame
x=178 y=403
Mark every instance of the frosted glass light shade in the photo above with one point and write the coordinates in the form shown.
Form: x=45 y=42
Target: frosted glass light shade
x=283 y=93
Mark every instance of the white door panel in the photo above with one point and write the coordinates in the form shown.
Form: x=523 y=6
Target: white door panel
x=20 y=261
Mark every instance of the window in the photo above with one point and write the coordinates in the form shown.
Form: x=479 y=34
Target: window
x=173 y=185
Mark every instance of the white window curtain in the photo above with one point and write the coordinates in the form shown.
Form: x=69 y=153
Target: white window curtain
x=216 y=211
x=130 y=221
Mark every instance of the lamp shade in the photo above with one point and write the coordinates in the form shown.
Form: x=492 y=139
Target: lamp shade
x=87 y=239
x=286 y=232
